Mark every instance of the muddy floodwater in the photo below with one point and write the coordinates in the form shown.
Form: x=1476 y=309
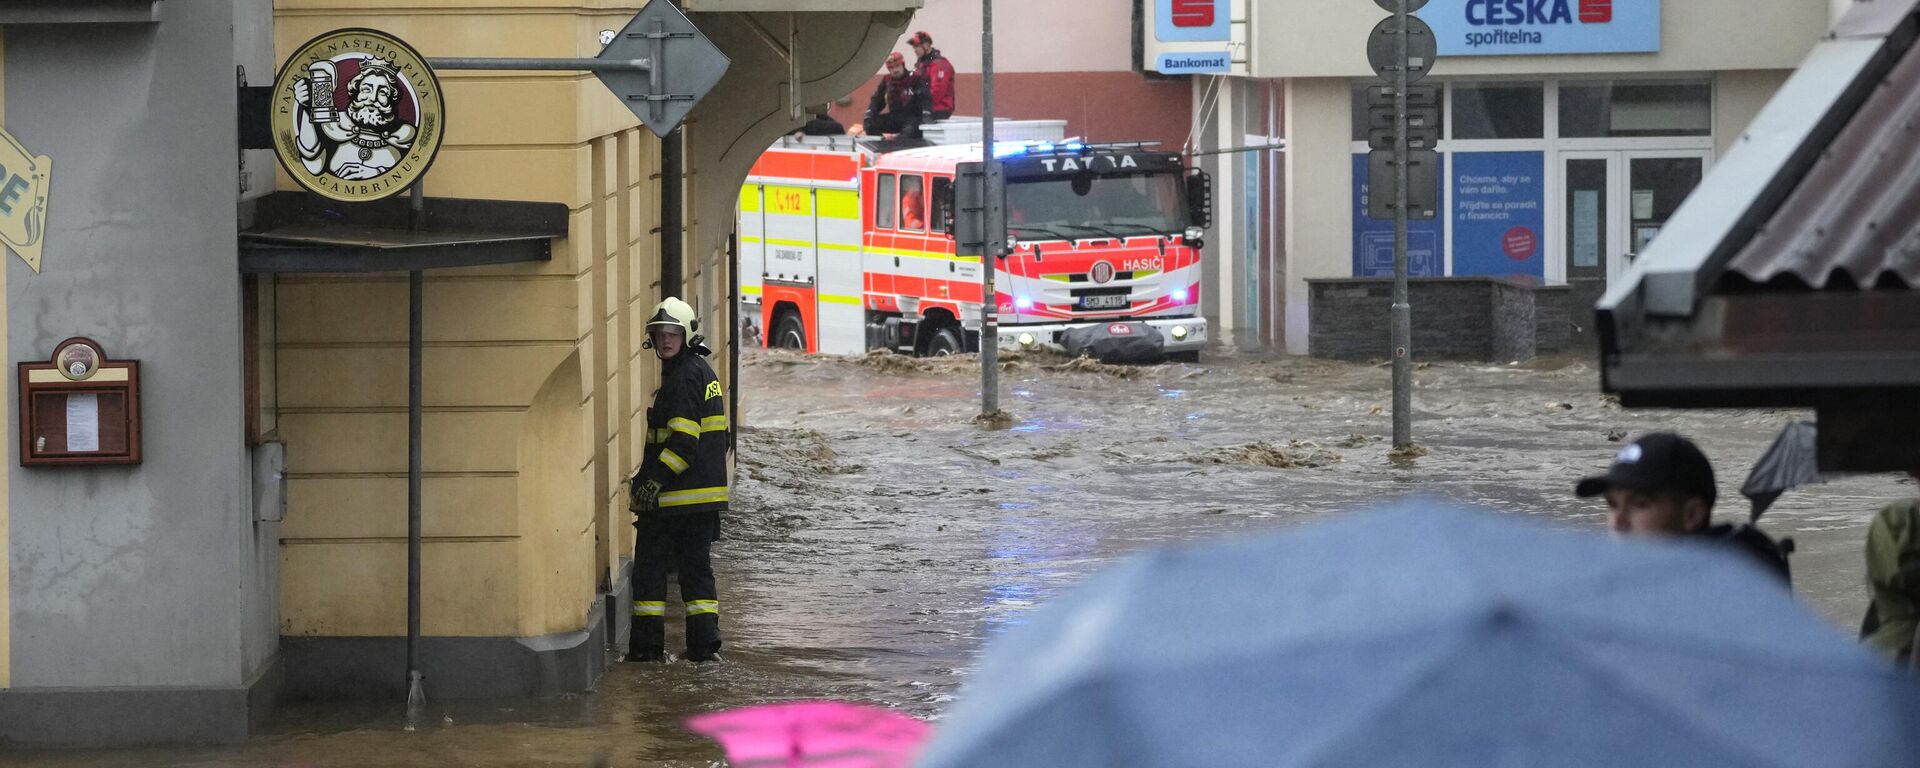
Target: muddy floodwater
x=880 y=536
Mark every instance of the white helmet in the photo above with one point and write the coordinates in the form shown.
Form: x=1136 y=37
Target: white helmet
x=677 y=314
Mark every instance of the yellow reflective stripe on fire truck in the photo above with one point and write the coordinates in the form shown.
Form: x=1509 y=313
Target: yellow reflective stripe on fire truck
x=849 y=300
x=673 y=461
x=750 y=199
x=687 y=427
x=697 y=607
x=838 y=204
x=713 y=424
x=649 y=607
x=750 y=290
x=692 y=496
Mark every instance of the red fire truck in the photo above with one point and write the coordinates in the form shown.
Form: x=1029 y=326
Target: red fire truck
x=844 y=249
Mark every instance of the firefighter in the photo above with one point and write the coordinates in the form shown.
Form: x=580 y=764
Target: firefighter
x=900 y=104
x=936 y=71
x=680 y=490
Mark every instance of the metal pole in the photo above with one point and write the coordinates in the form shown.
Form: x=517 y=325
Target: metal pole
x=569 y=65
x=672 y=189
x=672 y=179
x=995 y=226
x=1402 y=313
x=416 y=281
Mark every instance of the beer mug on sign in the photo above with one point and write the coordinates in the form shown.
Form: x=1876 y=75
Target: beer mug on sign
x=320 y=91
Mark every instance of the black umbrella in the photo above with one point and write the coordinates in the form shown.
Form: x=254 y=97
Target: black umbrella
x=1792 y=460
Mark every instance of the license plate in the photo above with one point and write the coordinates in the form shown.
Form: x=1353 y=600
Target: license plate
x=1118 y=301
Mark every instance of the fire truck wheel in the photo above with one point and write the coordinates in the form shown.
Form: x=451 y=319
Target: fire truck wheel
x=789 y=333
x=945 y=342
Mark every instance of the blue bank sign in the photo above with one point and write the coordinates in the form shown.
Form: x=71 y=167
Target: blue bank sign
x=1536 y=27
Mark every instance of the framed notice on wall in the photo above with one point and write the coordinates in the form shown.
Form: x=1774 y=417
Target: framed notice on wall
x=79 y=407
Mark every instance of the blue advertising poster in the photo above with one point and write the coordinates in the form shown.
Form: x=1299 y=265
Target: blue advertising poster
x=1534 y=27
x=1373 y=238
x=1499 y=214
x=1192 y=21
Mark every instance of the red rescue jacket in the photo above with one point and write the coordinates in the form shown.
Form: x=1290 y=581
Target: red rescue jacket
x=938 y=74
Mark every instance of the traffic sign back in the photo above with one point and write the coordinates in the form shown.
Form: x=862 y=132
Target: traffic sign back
x=684 y=66
x=1384 y=55
x=1423 y=184
x=1417 y=95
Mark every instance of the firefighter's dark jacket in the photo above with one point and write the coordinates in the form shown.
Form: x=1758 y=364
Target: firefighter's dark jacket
x=687 y=437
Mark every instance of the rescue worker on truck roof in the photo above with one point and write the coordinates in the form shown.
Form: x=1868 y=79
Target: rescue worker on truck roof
x=937 y=71
x=900 y=104
x=680 y=490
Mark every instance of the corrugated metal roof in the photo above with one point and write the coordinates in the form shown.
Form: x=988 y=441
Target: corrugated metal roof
x=1853 y=222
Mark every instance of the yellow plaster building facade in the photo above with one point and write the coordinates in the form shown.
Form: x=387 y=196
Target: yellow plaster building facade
x=535 y=383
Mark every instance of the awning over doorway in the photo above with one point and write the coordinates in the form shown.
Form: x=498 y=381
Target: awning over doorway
x=302 y=232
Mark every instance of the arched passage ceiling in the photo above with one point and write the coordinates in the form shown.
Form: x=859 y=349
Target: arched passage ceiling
x=833 y=53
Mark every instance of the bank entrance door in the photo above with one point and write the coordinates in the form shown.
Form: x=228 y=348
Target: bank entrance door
x=1613 y=203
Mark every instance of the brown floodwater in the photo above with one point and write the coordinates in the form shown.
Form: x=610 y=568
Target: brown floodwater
x=880 y=537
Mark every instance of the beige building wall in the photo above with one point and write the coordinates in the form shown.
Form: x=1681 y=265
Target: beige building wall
x=1737 y=99
x=1319 y=173
x=531 y=371
x=1319 y=182
x=1086 y=36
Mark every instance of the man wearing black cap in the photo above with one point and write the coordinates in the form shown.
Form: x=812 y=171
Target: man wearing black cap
x=1662 y=485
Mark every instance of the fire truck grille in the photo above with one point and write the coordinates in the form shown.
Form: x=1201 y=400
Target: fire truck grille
x=1082 y=278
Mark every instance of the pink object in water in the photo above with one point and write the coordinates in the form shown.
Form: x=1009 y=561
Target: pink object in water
x=826 y=734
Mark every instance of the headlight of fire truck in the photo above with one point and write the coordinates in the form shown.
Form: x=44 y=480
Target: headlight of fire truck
x=1026 y=339
x=1179 y=332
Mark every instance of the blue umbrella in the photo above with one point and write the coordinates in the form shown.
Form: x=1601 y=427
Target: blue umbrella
x=1430 y=636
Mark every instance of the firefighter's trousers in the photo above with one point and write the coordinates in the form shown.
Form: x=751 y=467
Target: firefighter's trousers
x=684 y=541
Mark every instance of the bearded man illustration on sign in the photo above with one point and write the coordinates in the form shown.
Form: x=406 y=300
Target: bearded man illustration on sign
x=366 y=139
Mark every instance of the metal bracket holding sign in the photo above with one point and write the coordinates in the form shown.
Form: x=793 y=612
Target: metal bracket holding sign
x=659 y=64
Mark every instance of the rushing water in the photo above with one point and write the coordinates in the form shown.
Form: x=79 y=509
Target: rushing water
x=881 y=538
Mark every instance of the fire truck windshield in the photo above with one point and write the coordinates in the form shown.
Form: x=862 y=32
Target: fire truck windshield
x=1090 y=205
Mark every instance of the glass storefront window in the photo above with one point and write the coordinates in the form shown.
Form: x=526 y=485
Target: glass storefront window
x=1630 y=108
x=1499 y=111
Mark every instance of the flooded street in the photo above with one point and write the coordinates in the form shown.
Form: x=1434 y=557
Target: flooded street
x=880 y=537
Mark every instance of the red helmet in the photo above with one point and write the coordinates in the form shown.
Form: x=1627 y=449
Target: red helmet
x=920 y=38
x=895 y=59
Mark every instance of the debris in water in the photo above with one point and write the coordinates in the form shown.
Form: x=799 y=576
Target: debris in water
x=1375 y=411
x=1356 y=440
x=1407 y=453
x=1561 y=406
x=1296 y=454
x=1084 y=364
x=890 y=362
x=996 y=420
x=1616 y=435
